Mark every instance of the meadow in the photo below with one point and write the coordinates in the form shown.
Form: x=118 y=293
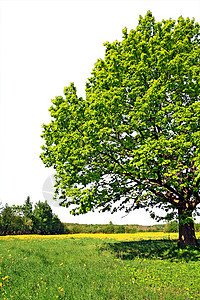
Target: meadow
x=144 y=265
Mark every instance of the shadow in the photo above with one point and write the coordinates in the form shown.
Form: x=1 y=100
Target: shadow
x=154 y=249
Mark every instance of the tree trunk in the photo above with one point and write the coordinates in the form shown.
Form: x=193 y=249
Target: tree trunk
x=186 y=229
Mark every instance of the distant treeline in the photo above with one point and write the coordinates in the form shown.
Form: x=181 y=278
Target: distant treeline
x=111 y=228
x=26 y=219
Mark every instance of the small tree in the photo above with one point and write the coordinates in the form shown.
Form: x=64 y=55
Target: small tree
x=135 y=140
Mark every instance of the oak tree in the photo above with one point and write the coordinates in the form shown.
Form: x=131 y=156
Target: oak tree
x=134 y=141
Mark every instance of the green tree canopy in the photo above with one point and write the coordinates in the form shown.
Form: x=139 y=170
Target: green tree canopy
x=7 y=220
x=135 y=140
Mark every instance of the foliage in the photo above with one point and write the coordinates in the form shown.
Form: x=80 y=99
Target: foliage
x=42 y=217
x=109 y=228
x=64 y=267
x=7 y=220
x=24 y=219
x=134 y=141
x=119 y=229
x=57 y=226
x=171 y=227
x=27 y=208
x=42 y=220
x=197 y=227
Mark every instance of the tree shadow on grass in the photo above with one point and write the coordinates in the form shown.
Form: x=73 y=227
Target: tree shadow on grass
x=154 y=249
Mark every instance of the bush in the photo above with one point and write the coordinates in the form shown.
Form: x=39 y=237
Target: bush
x=119 y=229
x=172 y=227
x=108 y=228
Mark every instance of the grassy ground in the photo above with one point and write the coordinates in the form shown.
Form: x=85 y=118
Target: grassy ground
x=85 y=266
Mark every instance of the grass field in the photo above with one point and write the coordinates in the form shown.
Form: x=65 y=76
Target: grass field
x=98 y=266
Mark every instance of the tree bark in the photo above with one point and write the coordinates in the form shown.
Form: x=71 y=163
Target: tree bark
x=186 y=229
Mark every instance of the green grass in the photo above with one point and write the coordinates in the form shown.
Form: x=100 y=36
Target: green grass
x=87 y=268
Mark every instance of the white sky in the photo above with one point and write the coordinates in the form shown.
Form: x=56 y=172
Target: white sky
x=45 y=45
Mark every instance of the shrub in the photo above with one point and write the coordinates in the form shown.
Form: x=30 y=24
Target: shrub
x=171 y=227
